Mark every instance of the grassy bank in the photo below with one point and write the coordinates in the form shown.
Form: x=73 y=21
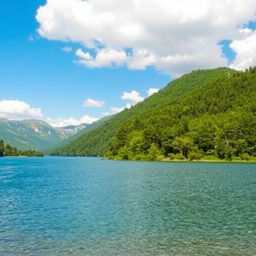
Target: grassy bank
x=210 y=159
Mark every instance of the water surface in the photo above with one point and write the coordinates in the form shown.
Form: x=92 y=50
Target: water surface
x=89 y=206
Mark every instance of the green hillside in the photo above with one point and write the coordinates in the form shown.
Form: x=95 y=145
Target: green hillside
x=214 y=121
x=31 y=134
x=204 y=113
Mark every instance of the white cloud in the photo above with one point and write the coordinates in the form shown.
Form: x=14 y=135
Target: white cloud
x=113 y=111
x=152 y=91
x=105 y=113
x=103 y=58
x=116 y=110
x=173 y=36
x=93 y=103
x=245 y=50
x=62 y=122
x=132 y=97
x=67 y=49
x=87 y=119
x=16 y=109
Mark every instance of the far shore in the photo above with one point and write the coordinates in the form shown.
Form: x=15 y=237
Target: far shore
x=210 y=161
x=167 y=160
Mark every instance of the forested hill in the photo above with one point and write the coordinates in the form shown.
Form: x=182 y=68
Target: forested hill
x=35 y=134
x=97 y=141
x=7 y=150
x=204 y=113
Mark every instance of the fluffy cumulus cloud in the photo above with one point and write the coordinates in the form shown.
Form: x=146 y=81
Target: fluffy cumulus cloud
x=133 y=97
x=113 y=111
x=93 y=103
x=17 y=109
x=62 y=122
x=152 y=91
x=245 y=49
x=172 y=36
x=104 y=58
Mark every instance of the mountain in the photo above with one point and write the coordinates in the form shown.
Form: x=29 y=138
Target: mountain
x=34 y=134
x=72 y=129
x=78 y=135
x=206 y=113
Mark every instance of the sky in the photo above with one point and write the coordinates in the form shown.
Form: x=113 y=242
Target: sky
x=76 y=61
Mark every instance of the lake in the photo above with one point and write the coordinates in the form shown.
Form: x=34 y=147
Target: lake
x=88 y=206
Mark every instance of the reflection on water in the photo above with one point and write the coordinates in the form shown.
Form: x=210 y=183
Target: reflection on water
x=85 y=206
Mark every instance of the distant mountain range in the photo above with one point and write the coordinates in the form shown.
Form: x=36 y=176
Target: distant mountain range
x=72 y=129
x=35 y=134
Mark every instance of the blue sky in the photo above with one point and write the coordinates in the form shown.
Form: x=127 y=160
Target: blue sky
x=40 y=73
x=35 y=69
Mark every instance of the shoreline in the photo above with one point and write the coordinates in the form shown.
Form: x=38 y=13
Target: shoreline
x=158 y=161
x=188 y=161
x=210 y=161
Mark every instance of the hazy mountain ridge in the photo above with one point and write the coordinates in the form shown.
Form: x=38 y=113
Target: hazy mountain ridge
x=79 y=134
x=34 y=134
x=72 y=129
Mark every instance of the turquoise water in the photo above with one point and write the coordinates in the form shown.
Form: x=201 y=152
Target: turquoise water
x=86 y=206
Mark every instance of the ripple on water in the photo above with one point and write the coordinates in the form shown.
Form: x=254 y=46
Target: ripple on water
x=85 y=206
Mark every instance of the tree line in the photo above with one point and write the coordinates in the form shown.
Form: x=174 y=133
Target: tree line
x=7 y=150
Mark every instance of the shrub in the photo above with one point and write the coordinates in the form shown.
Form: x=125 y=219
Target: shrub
x=178 y=157
x=245 y=157
x=195 y=155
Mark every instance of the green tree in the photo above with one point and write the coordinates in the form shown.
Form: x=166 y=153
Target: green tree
x=1 y=148
x=154 y=152
x=183 y=145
